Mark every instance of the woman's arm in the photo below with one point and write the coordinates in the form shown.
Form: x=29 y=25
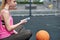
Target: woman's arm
x=7 y=22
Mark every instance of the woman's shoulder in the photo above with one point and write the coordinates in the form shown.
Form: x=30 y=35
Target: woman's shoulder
x=3 y=11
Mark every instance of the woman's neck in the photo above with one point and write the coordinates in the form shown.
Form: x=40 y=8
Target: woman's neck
x=6 y=7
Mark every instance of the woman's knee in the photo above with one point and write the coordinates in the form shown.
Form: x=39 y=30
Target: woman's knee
x=29 y=32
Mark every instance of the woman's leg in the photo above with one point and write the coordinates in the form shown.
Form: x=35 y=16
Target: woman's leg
x=22 y=35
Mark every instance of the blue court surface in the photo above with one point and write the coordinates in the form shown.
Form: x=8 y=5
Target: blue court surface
x=50 y=23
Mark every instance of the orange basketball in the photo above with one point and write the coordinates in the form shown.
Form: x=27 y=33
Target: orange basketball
x=42 y=35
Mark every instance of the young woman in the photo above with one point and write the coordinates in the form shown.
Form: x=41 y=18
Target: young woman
x=7 y=29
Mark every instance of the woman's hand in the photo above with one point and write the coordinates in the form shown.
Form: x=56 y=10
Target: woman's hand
x=15 y=32
x=23 y=21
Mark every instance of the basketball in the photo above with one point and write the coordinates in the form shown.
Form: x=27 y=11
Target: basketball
x=42 y=35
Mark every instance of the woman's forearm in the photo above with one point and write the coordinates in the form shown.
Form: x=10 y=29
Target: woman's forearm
x=12 y=27
x=16 y=25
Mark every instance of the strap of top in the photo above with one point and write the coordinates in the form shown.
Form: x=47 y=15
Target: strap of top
x=3 y=23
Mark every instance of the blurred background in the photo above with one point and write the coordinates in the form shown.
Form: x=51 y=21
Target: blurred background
x=45 y=14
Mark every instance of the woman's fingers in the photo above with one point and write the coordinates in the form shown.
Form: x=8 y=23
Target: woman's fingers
x=23 y=21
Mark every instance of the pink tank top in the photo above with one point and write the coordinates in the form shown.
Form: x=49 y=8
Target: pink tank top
x=3 y=31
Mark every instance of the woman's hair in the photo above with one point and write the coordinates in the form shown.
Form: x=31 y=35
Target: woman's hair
x=3 y=4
